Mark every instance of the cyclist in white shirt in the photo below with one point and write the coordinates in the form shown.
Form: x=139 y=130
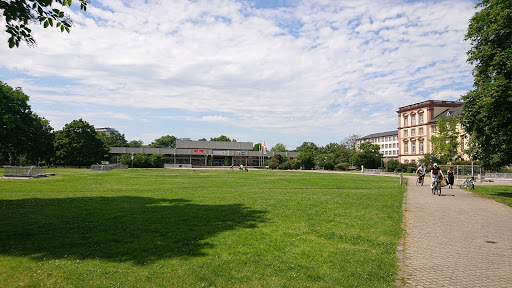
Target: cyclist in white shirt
x=421 y=173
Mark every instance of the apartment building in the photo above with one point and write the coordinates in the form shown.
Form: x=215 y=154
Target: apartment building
x=417 y=123
x=388 y=142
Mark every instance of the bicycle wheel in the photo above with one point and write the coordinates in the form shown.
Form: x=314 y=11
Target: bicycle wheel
x=439 y=190
x=418 y=182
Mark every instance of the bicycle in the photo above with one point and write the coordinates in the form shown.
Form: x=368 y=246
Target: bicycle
x=469 y=184
x=420 y=180
x=436 y=189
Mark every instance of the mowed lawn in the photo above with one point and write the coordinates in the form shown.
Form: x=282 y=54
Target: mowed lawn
x=202 y=228
x=501 y=194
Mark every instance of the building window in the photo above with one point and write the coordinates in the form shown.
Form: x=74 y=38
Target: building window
x=405 y=132
x=420 y=131
x=405 y=121
x=413 y=120
x=413 y=132
x=413 y=147
x=421 y=147
x=406 y=162
x=420 y=118
x=406 y=147
x=433 y=129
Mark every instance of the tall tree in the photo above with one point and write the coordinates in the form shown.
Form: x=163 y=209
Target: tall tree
x=308 y=155
x=446 y=139
x=23 y=134
x=279 y=147
x=486 y=109
x=307 y=146
x=19 y=14
x=113 y=139
x=167 y=141
x=14 y=110
x=42 y=138
x=135 y=143
x=369 y=156
x=222 y=138
x=78 y=144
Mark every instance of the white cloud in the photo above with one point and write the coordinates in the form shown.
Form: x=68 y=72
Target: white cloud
x=319 y=67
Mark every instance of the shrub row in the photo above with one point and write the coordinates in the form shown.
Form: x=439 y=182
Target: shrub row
x=143 y=160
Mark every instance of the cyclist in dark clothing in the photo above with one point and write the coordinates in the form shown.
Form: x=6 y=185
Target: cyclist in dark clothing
x=435 y=173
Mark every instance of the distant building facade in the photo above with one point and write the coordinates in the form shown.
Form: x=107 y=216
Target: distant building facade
x=202 y=153
x=107 y=130
x=417 y=124
x=388 y=142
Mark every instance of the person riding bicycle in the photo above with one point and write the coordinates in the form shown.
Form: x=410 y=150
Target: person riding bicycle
x=436 y=173
x=421 y=173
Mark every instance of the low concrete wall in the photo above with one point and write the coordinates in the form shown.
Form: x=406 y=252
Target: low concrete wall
x=172 y=166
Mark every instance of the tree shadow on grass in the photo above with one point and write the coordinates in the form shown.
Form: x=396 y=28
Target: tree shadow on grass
x=502 y=194
x=119 y=229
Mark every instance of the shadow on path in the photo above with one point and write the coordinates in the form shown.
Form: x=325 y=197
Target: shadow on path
x=137 y=229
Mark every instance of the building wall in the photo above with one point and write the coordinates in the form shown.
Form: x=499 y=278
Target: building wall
x=415 y=127
x=388 y=144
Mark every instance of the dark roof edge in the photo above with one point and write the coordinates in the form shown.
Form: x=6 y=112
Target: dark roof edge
x=380 y=134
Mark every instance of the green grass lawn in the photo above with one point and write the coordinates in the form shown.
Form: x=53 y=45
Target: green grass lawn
x=202 y=228
x=501 y=194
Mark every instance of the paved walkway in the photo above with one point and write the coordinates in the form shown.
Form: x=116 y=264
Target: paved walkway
x=456 y=240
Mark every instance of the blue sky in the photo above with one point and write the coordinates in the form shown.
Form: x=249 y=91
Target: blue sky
x=274 y=71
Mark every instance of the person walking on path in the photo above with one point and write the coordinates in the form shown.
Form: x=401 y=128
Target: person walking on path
x=451 y=177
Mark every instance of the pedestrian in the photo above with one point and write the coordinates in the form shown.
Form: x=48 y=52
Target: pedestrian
x=451 y=177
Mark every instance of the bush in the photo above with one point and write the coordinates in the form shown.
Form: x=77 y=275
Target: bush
x=411 y=169
x=295 y=164
x=342 y=166
x=273 y=163
x=143 y=160
x=392 y=165
x=157 y=160
x=285 y=165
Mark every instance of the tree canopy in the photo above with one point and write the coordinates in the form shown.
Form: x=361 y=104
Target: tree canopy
x=222 y=138
x=113 y=139
x=279 y=147
x=19 y=14
x=446 y=139
x=369 y=156
x=78 y=144
x=23 y=134
x=167 y=141
x=486 y=109
x=135 y=143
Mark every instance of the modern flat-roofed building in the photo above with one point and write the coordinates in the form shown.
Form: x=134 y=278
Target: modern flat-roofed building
x=417 y=123
x=388 y=142
x=190 y=153
x=107 y=130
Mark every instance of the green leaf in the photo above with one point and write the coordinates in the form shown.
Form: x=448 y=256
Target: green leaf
x=46 y=24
